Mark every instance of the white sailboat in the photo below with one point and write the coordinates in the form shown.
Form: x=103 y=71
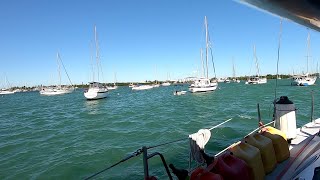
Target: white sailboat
x=156 y=84
x=234 y=79
x=305 y=79
x=58 y=89
x=131 y=85
x=96 y=89
x=203 y=84
x=256 y=79
x=167 y=83
x=142 y=87
x=7 y=89
x=114 y=83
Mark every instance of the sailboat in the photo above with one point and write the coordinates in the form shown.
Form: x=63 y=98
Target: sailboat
x=234 y=79
x=256 y=79
x=6 y=90
x=203 y=84
x=305 y=79
x=142 y=87
x=156 y=84
x=114 y=83
x=58 y=89
x=167 y=83
x=96 y=89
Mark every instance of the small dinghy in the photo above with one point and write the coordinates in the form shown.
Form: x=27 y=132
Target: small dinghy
x=179 y=92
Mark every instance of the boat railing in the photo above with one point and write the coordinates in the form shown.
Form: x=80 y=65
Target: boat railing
x=146 y=157
x=145 y=162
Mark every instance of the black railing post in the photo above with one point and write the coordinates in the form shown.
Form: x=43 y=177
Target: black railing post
x=259 y=114
x=145 y=162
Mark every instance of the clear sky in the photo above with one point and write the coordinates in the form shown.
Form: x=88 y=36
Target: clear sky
x=143 y=39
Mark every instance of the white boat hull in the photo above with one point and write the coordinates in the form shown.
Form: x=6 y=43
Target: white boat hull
x=203 y=85
x=304 y=81
x=142 y=87
x=202 y=89
x=112 y=87
x=93 y=94
x=260 y=81
x=52 y=92
x=165 y=84
x=6 y=92
x=179 y=93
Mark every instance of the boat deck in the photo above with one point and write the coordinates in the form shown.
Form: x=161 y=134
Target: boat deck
x=304 y=145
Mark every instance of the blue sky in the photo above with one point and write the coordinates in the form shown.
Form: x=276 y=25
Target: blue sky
x=143 y=39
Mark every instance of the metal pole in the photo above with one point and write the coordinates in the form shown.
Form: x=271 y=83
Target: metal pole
x=312 y=105
x=259 y=115
x=145 y=162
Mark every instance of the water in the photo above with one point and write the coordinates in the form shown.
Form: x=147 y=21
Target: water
x=67 y=137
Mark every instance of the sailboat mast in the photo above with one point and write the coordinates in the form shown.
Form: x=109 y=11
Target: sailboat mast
x=256 y=58
x=207 y=44
x=97 y=51
x=115 y=78
x=59 y=73
x=65 y=70
x=308 y=51
x=92 y=61
x=203 y=68
x=233 y=69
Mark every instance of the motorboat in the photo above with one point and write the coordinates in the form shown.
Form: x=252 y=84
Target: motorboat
x=179 y=92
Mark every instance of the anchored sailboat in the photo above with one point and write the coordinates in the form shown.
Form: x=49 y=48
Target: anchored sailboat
x=7 y=89
x=167 y=83
x=114 y=83
x=58 y=89
x=234 y=79
x=256 y=79
x=96 y=89
x=305 y=79
x=203 y=84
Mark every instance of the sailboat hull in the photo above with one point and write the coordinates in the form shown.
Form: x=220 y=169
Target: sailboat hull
x=6 y=92
x=257 y=81
x=142 y=87
x=93 y=94
x=203 y=85
x=165 y=84
x=52 y=92
x=202 y=89
x=112 y=87
x=304 y=81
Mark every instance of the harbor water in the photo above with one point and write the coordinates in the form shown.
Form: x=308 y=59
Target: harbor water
x=68 y=137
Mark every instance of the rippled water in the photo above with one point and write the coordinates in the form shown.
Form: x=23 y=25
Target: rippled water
x=67 y=137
